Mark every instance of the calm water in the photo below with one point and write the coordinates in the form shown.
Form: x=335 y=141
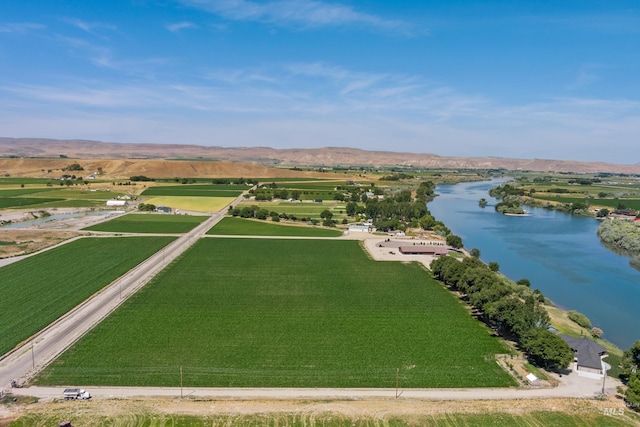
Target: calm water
x=559 y=253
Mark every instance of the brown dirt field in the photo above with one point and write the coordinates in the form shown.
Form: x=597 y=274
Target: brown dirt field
x=376 y=409
x=29 y=241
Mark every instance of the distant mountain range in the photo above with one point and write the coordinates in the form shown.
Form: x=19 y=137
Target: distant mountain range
x=292 y=157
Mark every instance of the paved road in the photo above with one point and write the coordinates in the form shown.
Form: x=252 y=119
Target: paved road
x=33 y=355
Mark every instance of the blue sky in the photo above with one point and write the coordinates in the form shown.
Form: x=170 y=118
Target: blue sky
x=543 y=79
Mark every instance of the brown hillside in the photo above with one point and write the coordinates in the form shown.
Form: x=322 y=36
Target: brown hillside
x=328 y=156
x=152 y=168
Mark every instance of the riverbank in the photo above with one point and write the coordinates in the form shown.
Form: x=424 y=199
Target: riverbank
x=559 y=254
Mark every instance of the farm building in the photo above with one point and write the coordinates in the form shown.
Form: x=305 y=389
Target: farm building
x=436 y=250
x=588 y=356
x=163 y=209
x=114 y=203
x=362 y=228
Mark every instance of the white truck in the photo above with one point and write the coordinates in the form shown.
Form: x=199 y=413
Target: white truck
x=76 y=394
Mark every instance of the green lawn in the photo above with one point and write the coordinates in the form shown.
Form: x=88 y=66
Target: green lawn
x=39 y=289
x=278 y=313
x=150 y=223
x=240 y=226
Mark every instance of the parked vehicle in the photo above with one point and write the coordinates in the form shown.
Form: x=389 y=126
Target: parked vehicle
x=76 y=394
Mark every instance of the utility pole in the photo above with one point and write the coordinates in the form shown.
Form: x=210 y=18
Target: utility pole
x=33 y=357
x=180 y=382
x=397 y=375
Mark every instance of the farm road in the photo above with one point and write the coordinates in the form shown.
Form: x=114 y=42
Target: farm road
x=571 y=386
x=29 y=358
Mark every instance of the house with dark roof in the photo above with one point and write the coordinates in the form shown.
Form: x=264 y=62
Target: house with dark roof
x=588 y=356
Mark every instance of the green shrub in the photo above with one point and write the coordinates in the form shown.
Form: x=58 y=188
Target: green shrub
x=579 y=318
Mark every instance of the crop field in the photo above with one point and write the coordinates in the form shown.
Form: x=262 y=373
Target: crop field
x=41 y=288
x=5 y=181
x=198 y=204
x=150 y=223
x=16 y=192
x=315 y=186
x=286 y=313
x=195 y=190
x=247 y=227
x=30 y=202
x=610 y=203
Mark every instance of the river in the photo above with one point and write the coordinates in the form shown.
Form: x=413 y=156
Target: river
x=559 y=253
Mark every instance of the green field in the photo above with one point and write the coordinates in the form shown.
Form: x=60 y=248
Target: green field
x=195 y=190
x=232 y=226
x=30 y=202
x=39 y=289
x=15 y=192
x=588 y=417
x=610 y=203
x=299 y=209
x=278 y=313
x=150 y=223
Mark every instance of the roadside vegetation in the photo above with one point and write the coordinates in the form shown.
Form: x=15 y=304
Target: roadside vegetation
x=286 y=313
x=39 y=289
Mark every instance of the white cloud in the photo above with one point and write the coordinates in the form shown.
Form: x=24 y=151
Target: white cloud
x=88 y=27
x=20 y=27
x=178 y=26
x=296 y=13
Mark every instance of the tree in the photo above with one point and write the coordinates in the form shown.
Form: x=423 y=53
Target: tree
x=524 y=282
x=596 y=332
x=454 y=241
x=632 y=395
x=547 y=348
x=427 y=222
x=494 y=266
x=475 y=252
x=326 y=214
x=630 y=362
x=352 y=208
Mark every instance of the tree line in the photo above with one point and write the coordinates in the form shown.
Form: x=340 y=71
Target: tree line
x=515 y=311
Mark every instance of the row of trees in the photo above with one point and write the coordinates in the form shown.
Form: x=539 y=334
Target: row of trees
x=514 y=310
x=630 y=373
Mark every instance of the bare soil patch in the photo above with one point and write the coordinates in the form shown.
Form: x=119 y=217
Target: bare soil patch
x=17 y=242
x=411 y=410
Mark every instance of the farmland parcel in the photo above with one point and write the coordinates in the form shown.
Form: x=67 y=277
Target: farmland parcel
x=230 y=226
x=277 y=313
x=39 y=289
x=150 y=223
